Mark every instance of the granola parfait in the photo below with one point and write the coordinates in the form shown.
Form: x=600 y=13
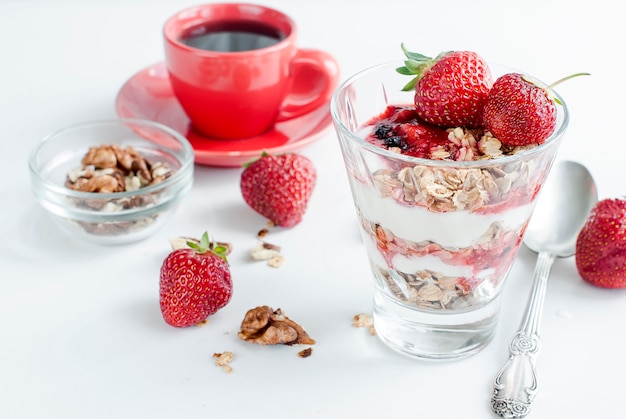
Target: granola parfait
x=442 y=212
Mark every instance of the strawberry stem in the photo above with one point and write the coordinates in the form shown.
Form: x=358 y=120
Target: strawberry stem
x=255 y=159
x=571 y=76
x=556 y=83
x=208 y=245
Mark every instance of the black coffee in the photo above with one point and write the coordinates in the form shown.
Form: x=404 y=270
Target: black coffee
x=232 y=36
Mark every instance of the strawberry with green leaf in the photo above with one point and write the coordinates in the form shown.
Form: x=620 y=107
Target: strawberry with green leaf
x=195 y=282
x=450 y=89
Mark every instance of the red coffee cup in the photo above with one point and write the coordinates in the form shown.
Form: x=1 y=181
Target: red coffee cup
x=236 y=70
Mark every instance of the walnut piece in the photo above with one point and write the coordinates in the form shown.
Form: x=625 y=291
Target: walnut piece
x=111 y=168
x=305 y=353
x=266 y=326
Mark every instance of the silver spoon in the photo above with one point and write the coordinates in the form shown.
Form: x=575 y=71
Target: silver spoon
x=563 y=207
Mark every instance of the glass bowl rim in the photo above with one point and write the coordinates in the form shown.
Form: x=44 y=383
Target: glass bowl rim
x=186 y=163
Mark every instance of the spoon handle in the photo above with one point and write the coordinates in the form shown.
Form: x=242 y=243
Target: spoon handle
x=516 y=383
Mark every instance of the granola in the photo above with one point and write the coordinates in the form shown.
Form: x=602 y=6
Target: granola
x=267 y=251
x=444 y=189
x=223 y=361
x=364 y=320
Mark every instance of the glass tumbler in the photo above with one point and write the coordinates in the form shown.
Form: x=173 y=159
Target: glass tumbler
x=440 y=235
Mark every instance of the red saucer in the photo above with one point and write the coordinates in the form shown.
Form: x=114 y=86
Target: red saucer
x=148 y=95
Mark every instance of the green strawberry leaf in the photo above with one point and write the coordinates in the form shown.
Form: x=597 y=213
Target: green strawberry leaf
x=221 y=251
x=410 y=85
x=206 y=244
x=404 y=71
x=202 y=246
x=414 y=55
x=255 y=159
x=415 y=65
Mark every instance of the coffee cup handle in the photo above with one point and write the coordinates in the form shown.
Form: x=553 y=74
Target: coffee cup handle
x=314 y=78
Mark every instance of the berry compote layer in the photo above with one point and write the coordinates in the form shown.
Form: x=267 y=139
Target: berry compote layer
x=442 y=230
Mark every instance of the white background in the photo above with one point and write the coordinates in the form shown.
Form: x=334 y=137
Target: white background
x=81 y=334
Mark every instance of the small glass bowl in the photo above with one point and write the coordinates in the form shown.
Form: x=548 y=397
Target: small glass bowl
x=113 y=217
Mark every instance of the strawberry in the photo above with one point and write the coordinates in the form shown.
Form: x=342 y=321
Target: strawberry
x=520 y=110
x=194 y=282
x=450 y=89
x=601 y=245
x=279 y=187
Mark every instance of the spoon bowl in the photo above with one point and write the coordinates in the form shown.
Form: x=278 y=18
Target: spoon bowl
x=562 y=209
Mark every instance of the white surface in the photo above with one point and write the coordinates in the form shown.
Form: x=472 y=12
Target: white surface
x=81 y=331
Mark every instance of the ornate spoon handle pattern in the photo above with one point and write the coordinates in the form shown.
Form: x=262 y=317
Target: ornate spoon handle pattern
x=516 y=382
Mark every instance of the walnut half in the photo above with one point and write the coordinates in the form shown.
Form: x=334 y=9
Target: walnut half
x=266 y=326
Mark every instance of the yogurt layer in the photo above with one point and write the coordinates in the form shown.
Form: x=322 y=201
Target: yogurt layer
x=454 y=229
